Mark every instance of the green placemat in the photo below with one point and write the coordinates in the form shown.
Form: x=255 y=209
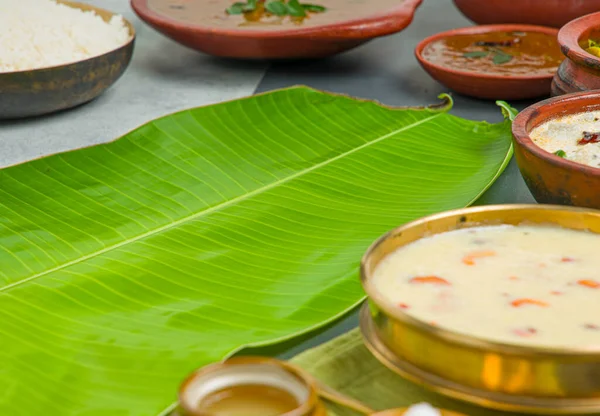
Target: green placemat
x=346 y=365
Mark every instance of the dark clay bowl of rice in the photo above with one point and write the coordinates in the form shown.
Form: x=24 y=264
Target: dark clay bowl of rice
x=56 y=55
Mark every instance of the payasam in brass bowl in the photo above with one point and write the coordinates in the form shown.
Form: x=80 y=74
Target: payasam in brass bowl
x=492 y=370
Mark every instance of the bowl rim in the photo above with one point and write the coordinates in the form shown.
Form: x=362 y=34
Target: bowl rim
x=570 y=34
x=521 y=129
x=385 y=23
x=480 y=29
x=76 y=4
x=311 y=402
x=455 y=337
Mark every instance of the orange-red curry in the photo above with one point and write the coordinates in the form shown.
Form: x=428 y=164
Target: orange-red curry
x=498 y=53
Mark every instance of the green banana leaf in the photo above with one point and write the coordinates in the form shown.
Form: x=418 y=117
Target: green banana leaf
x=125 y=266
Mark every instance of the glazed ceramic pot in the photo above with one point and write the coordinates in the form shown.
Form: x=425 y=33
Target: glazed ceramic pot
x=286 y=43
x=550 y=178
x=483 y=85
x=553 y=13
x=581 y=70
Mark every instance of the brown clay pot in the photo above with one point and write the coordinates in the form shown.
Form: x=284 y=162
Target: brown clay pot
x=553 y=13
x=482 y=85
x=550 y=178
x=310 y=42
x=581 y=70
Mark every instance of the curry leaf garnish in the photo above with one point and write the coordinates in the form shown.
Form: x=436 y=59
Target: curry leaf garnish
x=315 y=8
x=250 y=6
x=236 y=8
x=277 y=8
x=295 y=8
x=560 y=153
x=501 y=58
x=476 y=54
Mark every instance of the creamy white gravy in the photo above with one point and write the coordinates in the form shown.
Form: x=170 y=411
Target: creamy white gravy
x=512 y=284
x=565 y=133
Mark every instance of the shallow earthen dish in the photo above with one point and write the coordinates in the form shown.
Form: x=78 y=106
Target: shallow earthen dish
x=553 y=13
x=481 y=85
x=581 y=70
x=287 y=43
x=550 y=178
x=47 y=90
x=506 y=377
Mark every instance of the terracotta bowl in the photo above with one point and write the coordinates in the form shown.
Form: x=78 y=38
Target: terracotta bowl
x=47 y=90
x=553 y=13
x=581 y=70
x=294 y=43
x=487 y=86
x=550 y=178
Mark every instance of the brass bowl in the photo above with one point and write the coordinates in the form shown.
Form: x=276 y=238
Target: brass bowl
x=491 y=374
x=47 y=90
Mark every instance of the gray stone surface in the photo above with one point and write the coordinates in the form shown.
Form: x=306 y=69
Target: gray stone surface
x=163 y=78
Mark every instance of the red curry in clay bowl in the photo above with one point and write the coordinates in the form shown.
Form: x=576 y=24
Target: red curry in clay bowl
x=580 y=42
x=275 y=29
x=496 y=62
x=555 y=13
x=557 y=148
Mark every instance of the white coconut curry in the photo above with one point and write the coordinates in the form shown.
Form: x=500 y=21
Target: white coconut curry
x=536 y=285
x=574 y=137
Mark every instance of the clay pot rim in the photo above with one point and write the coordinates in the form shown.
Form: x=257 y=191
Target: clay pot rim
x=471 y=30
x=392 y=21
x=570 y=34
x=570 y=104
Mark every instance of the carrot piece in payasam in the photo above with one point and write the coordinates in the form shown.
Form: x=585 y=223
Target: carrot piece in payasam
x=567 y=259
x=470 y=258
x=525 y=332
x=435 y=280
x=589 y=283
x=526 y=301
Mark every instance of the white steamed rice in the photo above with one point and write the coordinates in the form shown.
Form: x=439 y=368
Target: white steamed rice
x=41 y=33
x=422 y=409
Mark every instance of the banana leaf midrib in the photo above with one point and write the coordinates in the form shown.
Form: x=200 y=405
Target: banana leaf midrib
x=218 y=206
x=128 y=265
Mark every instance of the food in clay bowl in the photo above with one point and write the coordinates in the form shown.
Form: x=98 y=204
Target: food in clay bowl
x=275 y=29
x=57 y=55
x=580 y=42
x=507 y=62
x=557 y=148
x=490 y=306
x=555 y=13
